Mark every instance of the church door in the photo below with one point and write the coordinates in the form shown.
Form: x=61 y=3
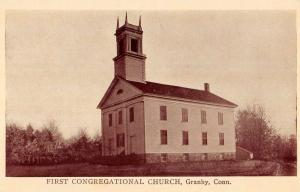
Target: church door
x=131 y=144
x=110 y=146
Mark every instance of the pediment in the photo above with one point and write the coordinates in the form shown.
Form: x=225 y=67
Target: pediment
x=118 y=91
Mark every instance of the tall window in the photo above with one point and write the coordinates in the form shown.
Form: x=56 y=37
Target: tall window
x=163 y=137
x=204 y=138
x=185 y=138
x=185 y=114
x=121 y=140
x=120 y=117
x=220 y=118
x=163 y=112
x=110 y=120
x=134 y=45
x=110 y=146
x=221 y=138
x=203 y=117
x=131 y=114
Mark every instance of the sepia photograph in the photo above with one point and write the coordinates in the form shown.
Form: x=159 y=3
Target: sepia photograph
x=138 y=93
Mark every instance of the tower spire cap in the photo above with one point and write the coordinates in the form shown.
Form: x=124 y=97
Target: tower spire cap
x=118 y=23
x=140 y=21
x=126 y=20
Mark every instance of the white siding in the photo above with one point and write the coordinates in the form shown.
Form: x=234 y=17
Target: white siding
x=175 y=126
x=131 y=129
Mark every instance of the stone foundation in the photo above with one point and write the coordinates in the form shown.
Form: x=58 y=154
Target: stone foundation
x=180 y=157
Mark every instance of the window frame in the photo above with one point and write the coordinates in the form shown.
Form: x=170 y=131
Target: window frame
x=163 y=137
x=120 y=140
x=120 y=117
x=110 y=120
x=110 y=146
x=185 y=138
x=220 y=118
x=163 y=113
x=221 y=138
x=184 y=115
x=204 y=139
x=131 y=114
x=203 y=117
x=136 y=43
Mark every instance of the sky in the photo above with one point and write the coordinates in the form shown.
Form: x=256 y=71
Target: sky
x=59 y=63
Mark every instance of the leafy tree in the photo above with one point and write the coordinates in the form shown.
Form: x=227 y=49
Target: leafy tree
x=47 y=146
x=97 y=142
x=29 y=133
x=53 y=128
x=81 y=140
x=254 y=131
x=291 y=149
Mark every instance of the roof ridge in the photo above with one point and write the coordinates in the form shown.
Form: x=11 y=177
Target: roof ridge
x=191 y=89
x=180 y=92
x=177 y=86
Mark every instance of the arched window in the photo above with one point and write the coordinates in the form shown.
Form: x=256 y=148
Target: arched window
x=120 y=91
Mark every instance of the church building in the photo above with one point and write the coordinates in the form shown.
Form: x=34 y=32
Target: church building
x=159 y=122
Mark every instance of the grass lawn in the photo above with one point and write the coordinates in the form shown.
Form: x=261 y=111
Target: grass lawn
x=210 y=168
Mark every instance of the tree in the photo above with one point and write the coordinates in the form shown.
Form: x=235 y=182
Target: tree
x=82 y=140
x=29 y=133
x=291 y=149
x=97 y=142
x=254 y=131
x=16 y=141
x=53 y=128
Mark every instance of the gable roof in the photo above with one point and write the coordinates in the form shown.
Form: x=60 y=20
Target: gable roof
x=164 y=90
x=180 y=92
x=110 y=89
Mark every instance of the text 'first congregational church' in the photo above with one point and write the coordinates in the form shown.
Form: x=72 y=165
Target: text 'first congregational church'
x=160 y=122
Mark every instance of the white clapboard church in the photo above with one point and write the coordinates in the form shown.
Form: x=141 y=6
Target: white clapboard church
x=160 y=122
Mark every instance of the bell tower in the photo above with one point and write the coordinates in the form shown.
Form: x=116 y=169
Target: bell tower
x=130 y=60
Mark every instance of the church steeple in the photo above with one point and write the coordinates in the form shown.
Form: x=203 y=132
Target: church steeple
x=118 y=23
x=130 y=60
x=126 y=21
x=140 y=21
